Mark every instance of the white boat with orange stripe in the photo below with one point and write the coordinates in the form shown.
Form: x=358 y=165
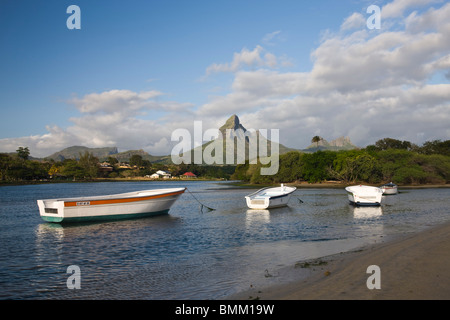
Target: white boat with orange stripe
x=109 y=207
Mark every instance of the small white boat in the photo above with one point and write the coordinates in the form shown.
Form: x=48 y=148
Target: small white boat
x=389 y=188
x=364 y=195
x=109 y=207
x=268 y=198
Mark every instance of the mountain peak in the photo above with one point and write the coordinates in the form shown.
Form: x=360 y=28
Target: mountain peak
x=233 y=124
x=342 y=143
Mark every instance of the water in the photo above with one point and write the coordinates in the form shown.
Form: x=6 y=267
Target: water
x=190 y=254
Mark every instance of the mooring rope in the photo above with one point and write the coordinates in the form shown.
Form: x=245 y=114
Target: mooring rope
x=201 y=204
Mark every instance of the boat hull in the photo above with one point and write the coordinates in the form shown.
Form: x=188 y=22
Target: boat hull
x=270 y=198
x=113 y=207
x=364 y=195
x=389 y=189
x=86 y=218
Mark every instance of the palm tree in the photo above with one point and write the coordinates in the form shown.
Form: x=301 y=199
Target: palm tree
x=316 y=139
x=23 y=153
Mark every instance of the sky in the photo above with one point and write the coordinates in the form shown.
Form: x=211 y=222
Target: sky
x=138 y=70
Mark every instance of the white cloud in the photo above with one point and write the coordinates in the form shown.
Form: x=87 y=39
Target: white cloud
x=270 y=38
x=366 y=85
x=114 y=101
x=110 y=118
x=396 y=8
x=245 y=58
x=41 y=145
x=355 y=21
x=431 y=20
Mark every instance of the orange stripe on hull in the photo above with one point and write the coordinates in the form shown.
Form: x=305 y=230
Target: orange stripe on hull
x=114 y=201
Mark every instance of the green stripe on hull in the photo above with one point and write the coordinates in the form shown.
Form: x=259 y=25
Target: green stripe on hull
x=103 y=218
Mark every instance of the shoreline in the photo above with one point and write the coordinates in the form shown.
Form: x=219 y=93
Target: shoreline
x=138 y=179
x=326 y=185
x=412 y=267
x=234 y=183
x=343 y=185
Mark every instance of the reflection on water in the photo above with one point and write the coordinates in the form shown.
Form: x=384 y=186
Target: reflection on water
x=101 y=229
x=367 y=212
x=189 y=253
x=257 y=217
x=369 y=220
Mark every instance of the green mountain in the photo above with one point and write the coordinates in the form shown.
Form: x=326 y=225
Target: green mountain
x=126 y=155
x=104 y=153
x=75 y=151
x=342 y=143
x=235 y=134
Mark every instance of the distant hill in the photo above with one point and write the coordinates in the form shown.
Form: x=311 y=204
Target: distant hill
x=342 y=143
x=104 y=153
x=240 y=135
x=126 y=155
x=75 y=151
x=233 y=123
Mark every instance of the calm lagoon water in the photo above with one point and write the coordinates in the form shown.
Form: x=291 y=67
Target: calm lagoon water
x=189 y=253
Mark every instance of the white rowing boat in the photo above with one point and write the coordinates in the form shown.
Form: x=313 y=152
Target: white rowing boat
x=364 y=195
x=268 y=198
x=389 y=188
x=109 y=207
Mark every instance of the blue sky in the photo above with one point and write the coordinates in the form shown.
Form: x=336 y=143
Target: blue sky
x=136 y=45
x=168 y=63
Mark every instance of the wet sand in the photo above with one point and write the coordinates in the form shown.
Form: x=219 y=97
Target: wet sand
x=414 y=266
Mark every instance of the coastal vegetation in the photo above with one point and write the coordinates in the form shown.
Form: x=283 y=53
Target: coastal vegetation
x=17 y=167
x=387 y=160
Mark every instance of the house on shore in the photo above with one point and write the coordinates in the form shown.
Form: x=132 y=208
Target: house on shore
x=105 y=167
x=188 y=175
x=160 y=174
x=164 y=174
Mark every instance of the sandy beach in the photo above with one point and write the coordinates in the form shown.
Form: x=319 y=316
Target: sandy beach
x=413 y=266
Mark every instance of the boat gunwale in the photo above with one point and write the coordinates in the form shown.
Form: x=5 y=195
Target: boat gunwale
x=390 y=184
x=350 y=189
x=283 y=195
x=253 y=195
x=111 y=199
x=257 y=191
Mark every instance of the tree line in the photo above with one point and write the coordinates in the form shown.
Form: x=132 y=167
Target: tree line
x=18 y=167
x=387 y=160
